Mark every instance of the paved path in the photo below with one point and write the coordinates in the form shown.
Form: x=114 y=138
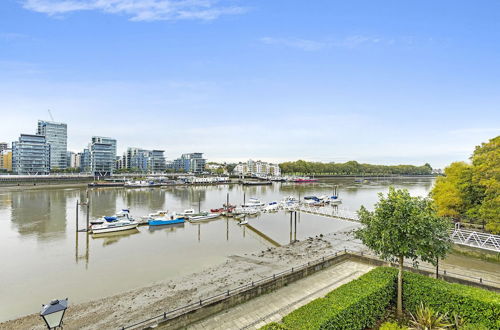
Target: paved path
x=273 y=306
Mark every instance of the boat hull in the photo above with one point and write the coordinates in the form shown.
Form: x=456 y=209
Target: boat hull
x=165 y=222
x=114 y=228
x=203 y=217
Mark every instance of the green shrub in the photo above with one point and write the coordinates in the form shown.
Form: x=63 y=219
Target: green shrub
x=474 y=305
x=355 y=305
x=391 y=326
x=273 y=326
x=473 y=327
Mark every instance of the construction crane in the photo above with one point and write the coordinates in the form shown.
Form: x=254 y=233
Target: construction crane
x=50 y=114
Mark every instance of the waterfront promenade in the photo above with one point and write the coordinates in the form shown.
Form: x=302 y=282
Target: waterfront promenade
x=273 y=306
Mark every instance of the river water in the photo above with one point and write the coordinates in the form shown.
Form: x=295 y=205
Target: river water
x=42 y=257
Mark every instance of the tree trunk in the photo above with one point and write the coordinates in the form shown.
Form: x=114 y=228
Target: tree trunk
x=400 y=289
x=437 y=267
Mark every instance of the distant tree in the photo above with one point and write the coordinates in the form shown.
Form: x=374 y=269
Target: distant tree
x=230 y=167
x=402 y=226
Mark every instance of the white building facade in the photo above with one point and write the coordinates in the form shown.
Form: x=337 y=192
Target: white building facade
x=258 y=168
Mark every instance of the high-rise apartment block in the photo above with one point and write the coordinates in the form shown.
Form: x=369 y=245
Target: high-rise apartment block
x=31 y=155
x=56 y=135
x=102 y=155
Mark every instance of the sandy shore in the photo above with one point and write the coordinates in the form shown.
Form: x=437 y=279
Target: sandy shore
x=142 y=303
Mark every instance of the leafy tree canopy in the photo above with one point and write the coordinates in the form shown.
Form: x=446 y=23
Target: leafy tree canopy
x=353 y=168
x=471 y=192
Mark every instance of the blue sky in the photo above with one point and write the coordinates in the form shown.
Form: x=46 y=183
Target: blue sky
x=375 y=81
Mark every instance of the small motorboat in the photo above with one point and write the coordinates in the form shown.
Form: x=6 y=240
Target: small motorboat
x=271 y=207
x=114 y=226
x=157 y=214
x=123 y=214
x=187 y=213
x=253 y=202
x=243 y=222
x=203 y=216
x=246 y=210
x=335 y=200
x=167 y=221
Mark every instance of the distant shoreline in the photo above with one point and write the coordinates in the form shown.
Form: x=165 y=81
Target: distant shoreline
x=41 y=183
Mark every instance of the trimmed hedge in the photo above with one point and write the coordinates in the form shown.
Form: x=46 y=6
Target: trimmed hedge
x=354 y=305
x=274 y=326
x=475 y=305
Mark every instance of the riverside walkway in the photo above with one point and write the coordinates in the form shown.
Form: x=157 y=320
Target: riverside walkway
x=273 y=306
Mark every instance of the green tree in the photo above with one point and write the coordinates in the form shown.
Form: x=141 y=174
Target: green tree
x=402 y=226
x=449 y=191
x=486 y=175
x=471 y=192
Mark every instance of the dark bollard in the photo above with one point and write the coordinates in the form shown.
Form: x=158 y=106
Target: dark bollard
x=200 y=302
x=164 y=315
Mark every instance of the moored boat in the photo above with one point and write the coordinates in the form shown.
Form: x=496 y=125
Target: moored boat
x=253 y=202
x=114 y=226
x=163 y=222
x=203 y=216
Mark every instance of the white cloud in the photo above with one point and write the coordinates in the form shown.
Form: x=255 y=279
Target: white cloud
x=303 y=44
x=349 y=42
x=141 y=10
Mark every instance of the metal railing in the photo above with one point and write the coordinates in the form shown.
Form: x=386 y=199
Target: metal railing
x=201 y=302
x=329 y=211
x=475 y=239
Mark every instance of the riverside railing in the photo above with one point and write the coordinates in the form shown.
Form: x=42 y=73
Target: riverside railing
x=475 y=239
x=201 y=302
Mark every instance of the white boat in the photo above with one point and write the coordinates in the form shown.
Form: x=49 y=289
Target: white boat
x=187 y=213
x=253 y=202
x=335 y=200
x=114 y=226
x=289 y=203
x=140 y=184
x=271 y=207
x=123 y=214
x=243 y=222
x=157 y=214
x=203 y=216
x=246 y=210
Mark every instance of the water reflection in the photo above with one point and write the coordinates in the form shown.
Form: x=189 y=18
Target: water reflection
x=40 y=213
x=150 y=198
x=112 y=238
x=168 y=229
x=5 y=200
x=103 y=201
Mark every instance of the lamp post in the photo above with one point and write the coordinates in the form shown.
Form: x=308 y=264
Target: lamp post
x=53 y=313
